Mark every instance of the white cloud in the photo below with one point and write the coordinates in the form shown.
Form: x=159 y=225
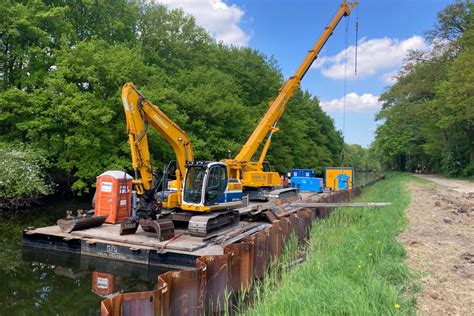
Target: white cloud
x=373 y=56
x=389 y=78
x=220 y=19
x=354 y=103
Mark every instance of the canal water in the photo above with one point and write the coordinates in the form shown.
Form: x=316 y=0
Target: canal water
x=364 y=177
x=45 y=283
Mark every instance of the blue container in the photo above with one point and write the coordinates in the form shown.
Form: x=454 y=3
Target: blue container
x=308 y=184
x=307 y=173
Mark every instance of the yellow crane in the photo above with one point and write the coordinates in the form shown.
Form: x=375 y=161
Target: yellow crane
x=202 y=186
x=256 y=181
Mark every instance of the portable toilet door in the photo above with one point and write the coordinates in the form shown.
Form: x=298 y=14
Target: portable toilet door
x=113 y=196
x=343 y=181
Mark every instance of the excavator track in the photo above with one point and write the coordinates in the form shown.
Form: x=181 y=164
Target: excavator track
x=202 y=225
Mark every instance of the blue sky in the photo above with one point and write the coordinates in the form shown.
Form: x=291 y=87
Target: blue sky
x=287 y=29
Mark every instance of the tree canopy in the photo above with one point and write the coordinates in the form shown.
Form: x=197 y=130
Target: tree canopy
x=428 y=114
x=63 y=63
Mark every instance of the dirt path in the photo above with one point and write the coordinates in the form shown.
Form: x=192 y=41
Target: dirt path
x=440 y=245
x=462 y=186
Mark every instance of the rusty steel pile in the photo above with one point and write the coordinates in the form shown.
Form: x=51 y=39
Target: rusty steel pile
x=207 y=287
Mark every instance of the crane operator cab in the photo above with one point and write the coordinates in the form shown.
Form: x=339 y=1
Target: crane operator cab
x=207 y=187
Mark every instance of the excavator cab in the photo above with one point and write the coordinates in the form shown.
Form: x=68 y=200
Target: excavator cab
x=216 y=185
x=193 y=184
x=207 y=187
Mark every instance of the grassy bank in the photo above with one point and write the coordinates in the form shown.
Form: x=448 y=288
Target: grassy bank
x=355 y=264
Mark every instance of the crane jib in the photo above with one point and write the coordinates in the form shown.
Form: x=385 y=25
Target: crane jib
x=275 y=111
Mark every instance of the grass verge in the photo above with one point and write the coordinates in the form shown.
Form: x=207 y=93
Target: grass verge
x=355 y=264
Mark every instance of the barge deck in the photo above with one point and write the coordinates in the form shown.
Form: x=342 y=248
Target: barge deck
x=180 y=252
x=143 y=247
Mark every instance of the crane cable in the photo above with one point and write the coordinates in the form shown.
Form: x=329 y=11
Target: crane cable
x=356 y=40
x=345 y=73
x=346 y=42
x=345 y=77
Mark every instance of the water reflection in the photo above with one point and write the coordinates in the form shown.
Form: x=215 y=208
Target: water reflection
x=38 y=282
x=50 y=283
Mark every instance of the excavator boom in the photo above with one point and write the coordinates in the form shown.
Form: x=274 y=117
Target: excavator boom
x=140 y=112
x=199 y=186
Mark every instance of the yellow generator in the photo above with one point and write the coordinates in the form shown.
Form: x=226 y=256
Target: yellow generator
x=339 y=178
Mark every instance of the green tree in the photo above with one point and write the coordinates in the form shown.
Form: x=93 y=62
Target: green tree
x=30 y=33
x=457 y=94
x=77 y=115
x=427 y=114
x=63 y=63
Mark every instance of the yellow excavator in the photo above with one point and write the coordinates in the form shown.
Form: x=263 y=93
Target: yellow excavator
x=258 y=183
x=204 y=195
x=186 y=184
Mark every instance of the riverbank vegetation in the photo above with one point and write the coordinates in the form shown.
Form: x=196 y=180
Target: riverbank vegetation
x=355 y=264
x=428 y=113
x=23 y=178
x=63 y=64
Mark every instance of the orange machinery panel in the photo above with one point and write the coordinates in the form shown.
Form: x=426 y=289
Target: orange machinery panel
x=113 y=196
x=331 y=174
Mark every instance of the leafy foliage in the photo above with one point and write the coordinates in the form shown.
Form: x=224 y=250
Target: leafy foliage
x=22 y=169
x=360 y=158
x=63 y=64
x=428 y=114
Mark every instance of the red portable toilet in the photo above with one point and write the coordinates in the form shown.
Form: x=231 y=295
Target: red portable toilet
x=113 y=196
x=103 y=283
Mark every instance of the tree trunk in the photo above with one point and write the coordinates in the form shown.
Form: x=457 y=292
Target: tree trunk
x=470 y=134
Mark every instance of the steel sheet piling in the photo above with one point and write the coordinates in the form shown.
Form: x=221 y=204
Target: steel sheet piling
x=285 y=230
x=186 y=290
x=207 y=287
x=294 y=224
x=218 y=283
x=276 y=240
x=241 y=264
x=248 y=264
x=261 y=254
x=139 y=303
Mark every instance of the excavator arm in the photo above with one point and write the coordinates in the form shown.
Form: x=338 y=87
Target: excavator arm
x=268 y=124
x=140 y=113
x=199 y=186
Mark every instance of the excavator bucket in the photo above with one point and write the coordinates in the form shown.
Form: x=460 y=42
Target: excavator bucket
x=128 y=226
x=163 y=228
x=79 y=223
